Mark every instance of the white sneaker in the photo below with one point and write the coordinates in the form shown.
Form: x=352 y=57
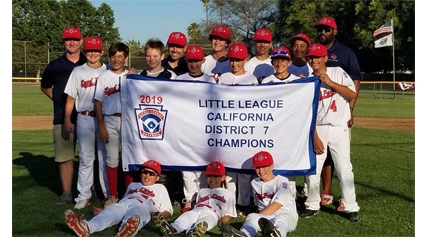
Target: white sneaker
x=82 y=204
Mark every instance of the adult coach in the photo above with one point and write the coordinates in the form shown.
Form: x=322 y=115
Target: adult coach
x=342 y=56
x=54 y=79
x=177 y=43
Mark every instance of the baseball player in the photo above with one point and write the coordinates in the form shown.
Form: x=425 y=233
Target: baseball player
x=237 y=54
x=80 y=90
x=194 y=57
x=175 y=61
x=213 y=204
x=299 y=48
x=260 y=65
x=108 y=109
x=134 y=210
x=154 y=54
x=281 y=60
x=336 y=89
x=277 y=211
x=217 y=62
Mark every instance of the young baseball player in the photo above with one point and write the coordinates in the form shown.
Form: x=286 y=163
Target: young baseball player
x=281 y=60
x=154 y=54
x=134 y=210
x=213 y=204
x=108 y=108
x=260 y=65
x=54 y=79
x=80 y=90
x=299 y=49
x=175 y=61
x=217 y=62
x=237 y=54
x=277 y=211
x=337 y=88
x=194 y=57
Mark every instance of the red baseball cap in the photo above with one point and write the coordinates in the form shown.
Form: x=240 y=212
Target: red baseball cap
x=71 y=32
x=220 y=31
x=263 y=34
x=152 y=164
x=281 y=52
x=93 y=43
x=194 y=52
x=215 y=168
x=317 y=50
x=177 y=38
x=237 y=50
x=262 y=159
x=326 y=21
x=301 y=36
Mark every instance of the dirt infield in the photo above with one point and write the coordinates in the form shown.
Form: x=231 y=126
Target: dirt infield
x=45 y=122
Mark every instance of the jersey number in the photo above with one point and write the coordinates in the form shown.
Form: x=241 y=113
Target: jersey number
x=333 y=106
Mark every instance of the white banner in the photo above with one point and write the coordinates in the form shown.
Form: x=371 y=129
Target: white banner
x=184 y=125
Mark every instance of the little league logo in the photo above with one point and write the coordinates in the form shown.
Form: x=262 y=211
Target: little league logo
x=151 y=121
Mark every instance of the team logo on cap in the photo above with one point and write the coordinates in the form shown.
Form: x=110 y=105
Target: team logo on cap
x=177 y=36
x=236 y=48
x=151 y=121
x=313 y=47
x=324 y=20
x=263 y=32
x=193 y=49
x=213 y=166
x=219 y=29
x=259 y=157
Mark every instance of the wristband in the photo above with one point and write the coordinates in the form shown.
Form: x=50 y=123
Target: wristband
x=351 y=109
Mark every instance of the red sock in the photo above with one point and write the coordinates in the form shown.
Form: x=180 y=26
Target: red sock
x=112 y=180
x=128 y=179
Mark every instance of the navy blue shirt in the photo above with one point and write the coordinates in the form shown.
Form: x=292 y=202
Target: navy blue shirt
x=178 y=70
x=55 y=76
x=340 y=55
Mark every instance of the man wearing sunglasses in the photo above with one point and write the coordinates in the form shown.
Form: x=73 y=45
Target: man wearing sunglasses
x=339 y=55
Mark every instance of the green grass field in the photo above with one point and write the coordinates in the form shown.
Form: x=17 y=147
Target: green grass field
x=383 y=164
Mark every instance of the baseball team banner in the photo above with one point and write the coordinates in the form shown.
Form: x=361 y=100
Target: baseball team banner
x=184 y=125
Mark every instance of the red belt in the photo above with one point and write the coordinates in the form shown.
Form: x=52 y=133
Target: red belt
x=88 y=113
x=117 y=114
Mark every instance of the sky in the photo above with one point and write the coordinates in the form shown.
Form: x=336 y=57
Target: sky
x=144 y=19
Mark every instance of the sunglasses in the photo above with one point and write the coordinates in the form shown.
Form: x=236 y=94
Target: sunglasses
x=326 y=29
x=151 y=173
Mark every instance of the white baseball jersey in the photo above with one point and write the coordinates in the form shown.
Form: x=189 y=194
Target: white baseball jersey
x=333 y=109
x=154 y=197
x=211 y=205
x=203 y=77
x=273 y=78
x=259 y=68
x=108 y=91
x=229 y=78
x=215 y=68
x=275 y=190
x=81 y=86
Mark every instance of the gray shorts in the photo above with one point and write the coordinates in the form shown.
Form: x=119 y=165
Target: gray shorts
x=64 y=143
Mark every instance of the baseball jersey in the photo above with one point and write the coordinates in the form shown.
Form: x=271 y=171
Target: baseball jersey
x=333 y=109
x=154 y=197
x=342 y=56
x=55 y=76
x=81 y=86
x=273 y=78
x=259 y=68
x=222 y=201
x=229 y=78
x=275 y=190
x=108 y=91
x=203 y=77
x=215 y=68
x=305 y=69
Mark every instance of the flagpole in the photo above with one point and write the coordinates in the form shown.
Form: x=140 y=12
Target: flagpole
x=394 y=70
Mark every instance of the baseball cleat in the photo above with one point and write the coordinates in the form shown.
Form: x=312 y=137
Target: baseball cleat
x=74 y=222
x=82 y=204
x=326 y=199
x=229 y=231
x=308 y=213
x=198 y=230
x=162 y=224
x=267 y=228
x=353 y=216
x=130 y=227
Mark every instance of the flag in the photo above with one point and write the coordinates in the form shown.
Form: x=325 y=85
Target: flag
x=384 y=41
x=384 y=29
x=406 y=86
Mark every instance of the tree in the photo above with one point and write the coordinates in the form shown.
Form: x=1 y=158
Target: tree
x=205 y=5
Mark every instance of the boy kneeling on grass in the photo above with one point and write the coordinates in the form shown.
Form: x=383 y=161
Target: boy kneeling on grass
x=134 y=210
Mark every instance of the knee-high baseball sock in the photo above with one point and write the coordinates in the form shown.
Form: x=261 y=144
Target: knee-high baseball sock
x=112 y=180
x=128 y=178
